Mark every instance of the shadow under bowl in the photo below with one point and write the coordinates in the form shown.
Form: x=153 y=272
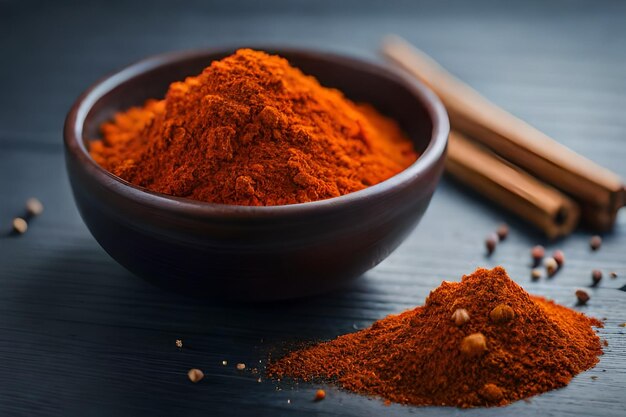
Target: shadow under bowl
x=254 y=253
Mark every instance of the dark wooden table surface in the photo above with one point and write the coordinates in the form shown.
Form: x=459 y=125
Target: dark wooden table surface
x=80 y=336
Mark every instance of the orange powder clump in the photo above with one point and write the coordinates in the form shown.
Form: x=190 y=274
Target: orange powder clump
x=424 y=357
x=252 y=130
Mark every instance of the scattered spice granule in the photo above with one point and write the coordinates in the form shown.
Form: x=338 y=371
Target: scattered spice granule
x=535 y=274
x=179 y=343
x=34 y=207
x=19 y=225
x=583 y=296
x=503 y=231
x=551 y=266
x=595 y=242
x=613 y=275
x=594 y=377
x=596 y=277
x=320 y=394
x=559 y=257
x=195 y=375
x=491 y=242
x=224 y=363
x=491 y=392
x=605 y=342
x=460 y=316
x=622 y=325
x=241 y=366
x=502 y=313
x=537 y=253
x=473 y=345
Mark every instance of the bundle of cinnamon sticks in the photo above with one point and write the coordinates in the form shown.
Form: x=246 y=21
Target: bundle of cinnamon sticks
x=511 y=162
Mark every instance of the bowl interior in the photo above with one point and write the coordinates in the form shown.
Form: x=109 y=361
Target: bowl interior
x=392 y=95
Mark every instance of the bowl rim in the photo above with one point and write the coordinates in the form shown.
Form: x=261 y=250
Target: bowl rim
x=75 y=143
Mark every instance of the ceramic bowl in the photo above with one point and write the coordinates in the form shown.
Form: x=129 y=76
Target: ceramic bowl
x=255 y=253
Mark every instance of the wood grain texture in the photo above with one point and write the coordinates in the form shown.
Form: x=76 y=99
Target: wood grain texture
x=80 y=336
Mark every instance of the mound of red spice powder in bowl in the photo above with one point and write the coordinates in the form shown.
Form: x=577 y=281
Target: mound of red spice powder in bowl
x=483 y=341
x=253 y=130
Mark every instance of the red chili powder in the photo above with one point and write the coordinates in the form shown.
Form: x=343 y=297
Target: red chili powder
x=519 y=345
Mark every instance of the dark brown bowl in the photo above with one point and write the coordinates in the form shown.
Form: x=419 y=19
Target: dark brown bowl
x=254 y=253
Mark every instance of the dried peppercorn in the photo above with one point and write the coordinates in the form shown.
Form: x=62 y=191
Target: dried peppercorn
x=460 y=316
x=551 y=265
x=503 y=231
x=595 y=242
x=34 y=207
x=582 y=296
x=537 y=253
x=195 y=375
x=19 y=225
x=559 y=257
x=491 y=242
x=473 y=345
x=535 y=274
x=502 y=313
x=596 y=277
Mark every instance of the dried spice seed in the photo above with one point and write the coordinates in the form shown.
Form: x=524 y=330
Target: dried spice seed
x=241 y=366
x=535 y=274
x=595 y=242
x=559 y=257
x=613 y=275
x=195 y=375
x=34 y=207
x=596 y=277
x=583 y=296
x=503 y=231
x=320 y=394
x=179 y=343
x=474 y=345
x=537 y=253
x=622 y=325
x=19 y=225
x=224 y=363
x=502 y=313
x=551 y=266
x=492 y=393
x=460 y=317
x=491 y=242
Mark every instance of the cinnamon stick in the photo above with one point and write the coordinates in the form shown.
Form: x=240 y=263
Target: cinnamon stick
x=500 y=181
x=599 y=191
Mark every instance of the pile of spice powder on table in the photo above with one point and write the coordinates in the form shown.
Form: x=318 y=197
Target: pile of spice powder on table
x=483 y=341
x=253 y=130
